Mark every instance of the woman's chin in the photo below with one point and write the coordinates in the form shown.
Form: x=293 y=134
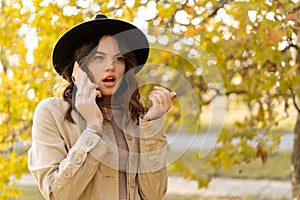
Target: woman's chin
x=108 y=91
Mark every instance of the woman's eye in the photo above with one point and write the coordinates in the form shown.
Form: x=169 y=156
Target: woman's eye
x=99 y=57
x=120 y=59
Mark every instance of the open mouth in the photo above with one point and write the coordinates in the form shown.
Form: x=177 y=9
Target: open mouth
x=109 y=81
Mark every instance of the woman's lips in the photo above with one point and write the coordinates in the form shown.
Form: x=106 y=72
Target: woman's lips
x=109 y=84
x=109 y=81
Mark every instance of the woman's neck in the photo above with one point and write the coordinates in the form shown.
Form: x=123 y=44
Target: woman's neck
x=106 y=101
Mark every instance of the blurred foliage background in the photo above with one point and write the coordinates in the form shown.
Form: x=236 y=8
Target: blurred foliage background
x=242 y=51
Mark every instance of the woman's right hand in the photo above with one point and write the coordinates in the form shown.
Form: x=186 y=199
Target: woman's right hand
x=85 y=99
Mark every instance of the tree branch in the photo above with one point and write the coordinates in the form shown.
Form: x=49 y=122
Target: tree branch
x=218 y=7
x=291 y=45
x=295 y=100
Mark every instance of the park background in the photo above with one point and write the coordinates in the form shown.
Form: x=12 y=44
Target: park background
x=233 y=64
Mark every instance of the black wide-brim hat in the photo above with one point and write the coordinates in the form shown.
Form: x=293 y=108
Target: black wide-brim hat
x=134 y=39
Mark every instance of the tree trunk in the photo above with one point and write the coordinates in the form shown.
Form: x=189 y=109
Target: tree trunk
x=296 y=147
x=296 y=162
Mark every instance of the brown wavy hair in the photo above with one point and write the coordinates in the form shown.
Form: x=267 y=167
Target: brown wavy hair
x=127 y=95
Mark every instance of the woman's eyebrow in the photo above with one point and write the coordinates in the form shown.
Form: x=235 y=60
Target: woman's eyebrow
x=100 y=52
x=103 y=53
x=119 y=54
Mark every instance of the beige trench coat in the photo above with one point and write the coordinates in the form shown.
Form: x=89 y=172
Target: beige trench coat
x=71 y=162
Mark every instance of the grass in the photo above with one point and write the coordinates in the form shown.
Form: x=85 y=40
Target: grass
x=277 y=167
x=236 y=110
x=197 y=197
x=30 y=193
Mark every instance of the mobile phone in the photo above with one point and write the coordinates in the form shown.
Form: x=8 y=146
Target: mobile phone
x=75 y=71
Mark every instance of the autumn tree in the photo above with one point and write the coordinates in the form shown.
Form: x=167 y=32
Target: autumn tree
x=254 y=45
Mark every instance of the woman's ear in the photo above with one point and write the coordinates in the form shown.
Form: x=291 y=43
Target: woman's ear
x=75 y=71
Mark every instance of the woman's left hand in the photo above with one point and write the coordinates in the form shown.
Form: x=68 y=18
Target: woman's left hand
x=161 y=99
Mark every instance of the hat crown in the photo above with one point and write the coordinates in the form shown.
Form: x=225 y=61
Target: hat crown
x=63 y=52
x=100 y=16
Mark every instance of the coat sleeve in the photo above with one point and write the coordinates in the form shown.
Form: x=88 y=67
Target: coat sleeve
x=152 y=174
x=61 y=173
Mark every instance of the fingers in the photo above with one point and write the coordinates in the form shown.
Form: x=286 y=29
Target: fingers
x=85 y=102
x=85 y=88
x=172 y=94
x=162 y=100
x=90 y=91
x=161 y=96
x=85 y=98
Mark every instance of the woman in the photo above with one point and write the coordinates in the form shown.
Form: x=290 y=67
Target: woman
x=99 y=142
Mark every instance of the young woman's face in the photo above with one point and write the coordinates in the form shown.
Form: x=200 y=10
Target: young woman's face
x=107 y=65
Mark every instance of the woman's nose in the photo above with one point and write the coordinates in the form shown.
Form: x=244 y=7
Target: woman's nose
x=110 y=66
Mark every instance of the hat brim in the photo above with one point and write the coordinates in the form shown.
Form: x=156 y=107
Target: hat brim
x=134 y=39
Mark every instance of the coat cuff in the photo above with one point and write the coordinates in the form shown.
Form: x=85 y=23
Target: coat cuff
x=88 y=140
x=101 y=150
x=151 y=128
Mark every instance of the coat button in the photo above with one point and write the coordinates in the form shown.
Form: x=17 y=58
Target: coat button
x=88 y=141
x=151 y=148
x=151 y=130
x=77 y=159
x=155 y=164
x=67 y=174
